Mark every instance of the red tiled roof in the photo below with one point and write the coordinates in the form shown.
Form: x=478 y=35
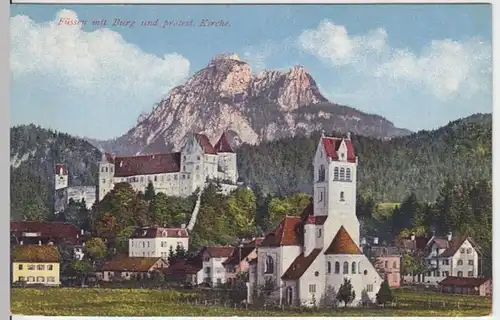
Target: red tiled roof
x=157 y=232
x=255 y=242
x=218 y=252
x=223 y=145
x=332 y=145
x=35 y=253
x=234 y=258
x=342 y=243
x=52 y=230
x=147 y=164
x=132 y=264
x=462 y=282
x=453 y=246
x=300 y=265
x=186 y=266
x=204 y=143
x=287 y=233
x=61 y=169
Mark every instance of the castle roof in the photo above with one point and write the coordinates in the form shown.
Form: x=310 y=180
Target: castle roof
x=204 y=143
x=223 y=144
x=147 y=164
x=157 y=232
x=300 y=265
x=285 y=234
x=342 y=243
x=332 y=145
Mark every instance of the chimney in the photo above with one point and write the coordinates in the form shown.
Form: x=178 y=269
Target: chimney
x=412 y=236
x=450 y=235
x=363 y=241
x=322 y=133
x=82 y=232
x=348 y=135
x=39 y=242
x=183 y=226
x=21 y=242
x=375 y=240
x=83 y=244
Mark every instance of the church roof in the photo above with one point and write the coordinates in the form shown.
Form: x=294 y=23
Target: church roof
x=285 y=234
x=300 y=265
x=223 y=144
x=204 y=143
x=332 y=145
x=342 y=243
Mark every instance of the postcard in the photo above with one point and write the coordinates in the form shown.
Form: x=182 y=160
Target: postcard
x=290 y=160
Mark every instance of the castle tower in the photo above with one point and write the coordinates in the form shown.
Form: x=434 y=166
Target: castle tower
x=61 y=179
x=106 y=175
x=226 y=159
x=335 y=170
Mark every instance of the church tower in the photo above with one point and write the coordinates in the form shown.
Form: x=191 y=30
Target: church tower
x=106 y=175
x=60 y=187
x=335 y=166
x=226 y=159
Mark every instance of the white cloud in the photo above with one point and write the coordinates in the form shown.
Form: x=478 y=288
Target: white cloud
x=444 y=68
x=97 y=63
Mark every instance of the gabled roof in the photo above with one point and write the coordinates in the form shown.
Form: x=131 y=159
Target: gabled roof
x=462 y=281
x=454 y=245
x=204 y=143
x=419 y=243
x=147 y=164
x=285 y=234
x=185 y=266
x=51 y=230
x=342 y=243
x=131 y=264
x=157 y=232
x=223 y=145
x=235 y=256
x=332 y=145
x=300 y=265
x=35 y=253
x=218 y=252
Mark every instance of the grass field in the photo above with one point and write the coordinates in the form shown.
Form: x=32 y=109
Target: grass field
x=148 y=302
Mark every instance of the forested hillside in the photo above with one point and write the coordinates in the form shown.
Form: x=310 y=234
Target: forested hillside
x=388 y=170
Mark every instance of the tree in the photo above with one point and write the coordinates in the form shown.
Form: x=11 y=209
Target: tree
x=241 y=209
x=81 y=268
x=95 y=249
x=238 y=290
x=67 y=255
x=346 y=293
x=384 y=295
x=171 y=256
x=149 y=193
x=122 y=239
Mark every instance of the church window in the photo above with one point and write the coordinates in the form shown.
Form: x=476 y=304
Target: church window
x=156 y=178
x=183 y=168
x=103 y=180
x=342 y=173
x=106 y=169
x=369 y=288
x=336 y=173
x=312 y=288
x=346 y=268
x=102 y=169
x=199 y=158
x=359 y=267
x=111 y=169
x=348 y=174
x=320 y=196
x=321 y=173
x=460 y=262
x=197 y=167
x=353 y=268
x=342 y=196
x=269 y=265
x=342 y=156
x=328 y=267
x=184 y=158
x=337 y=267
x=319 y=233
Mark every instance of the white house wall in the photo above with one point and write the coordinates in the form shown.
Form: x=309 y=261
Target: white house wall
x=155 y=247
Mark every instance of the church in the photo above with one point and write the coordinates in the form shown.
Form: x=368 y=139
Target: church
x=306 y=258
x=174 y=174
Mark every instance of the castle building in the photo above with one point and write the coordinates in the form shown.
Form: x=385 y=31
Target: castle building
x=174 y=174
x=63 y=193
x=306 y=259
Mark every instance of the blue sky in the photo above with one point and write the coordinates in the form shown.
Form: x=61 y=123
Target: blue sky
x=420 y=66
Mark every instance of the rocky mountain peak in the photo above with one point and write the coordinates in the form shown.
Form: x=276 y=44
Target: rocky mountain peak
x=226 y=97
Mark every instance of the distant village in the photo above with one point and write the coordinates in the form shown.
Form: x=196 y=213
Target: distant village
x=303 y=258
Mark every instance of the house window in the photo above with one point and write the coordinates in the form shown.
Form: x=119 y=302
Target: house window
x=369 y=288
x=353 y=268
x=319 y=233
x=51 y=279
x=20 y=267
x=156 y=178
x=438 y=274
x=111 y=169
x=198 y=158
x=31 y=267
x=320 y=196
x=346 y=268
x=312 y=288
x=269 y=264
x=471 y=262
x=40 y=267
x=395 y=264
x=470 y=273
x=49 y=267
x=446 y=262
x=31 y=279
x=328 y=267
x=462 y=250
x=342 y=196
x=460 y=274
x=342 y=173
x=446 y=273
x=469 y=250
x=21 y=279
x=40 y=279
x=337 y=267
x=106 y=169
x=183 y=168
x=336 y=173
x=219 y=280
x=321 y=173
x=348 y=174
x=207 y=270
x=460 y=262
